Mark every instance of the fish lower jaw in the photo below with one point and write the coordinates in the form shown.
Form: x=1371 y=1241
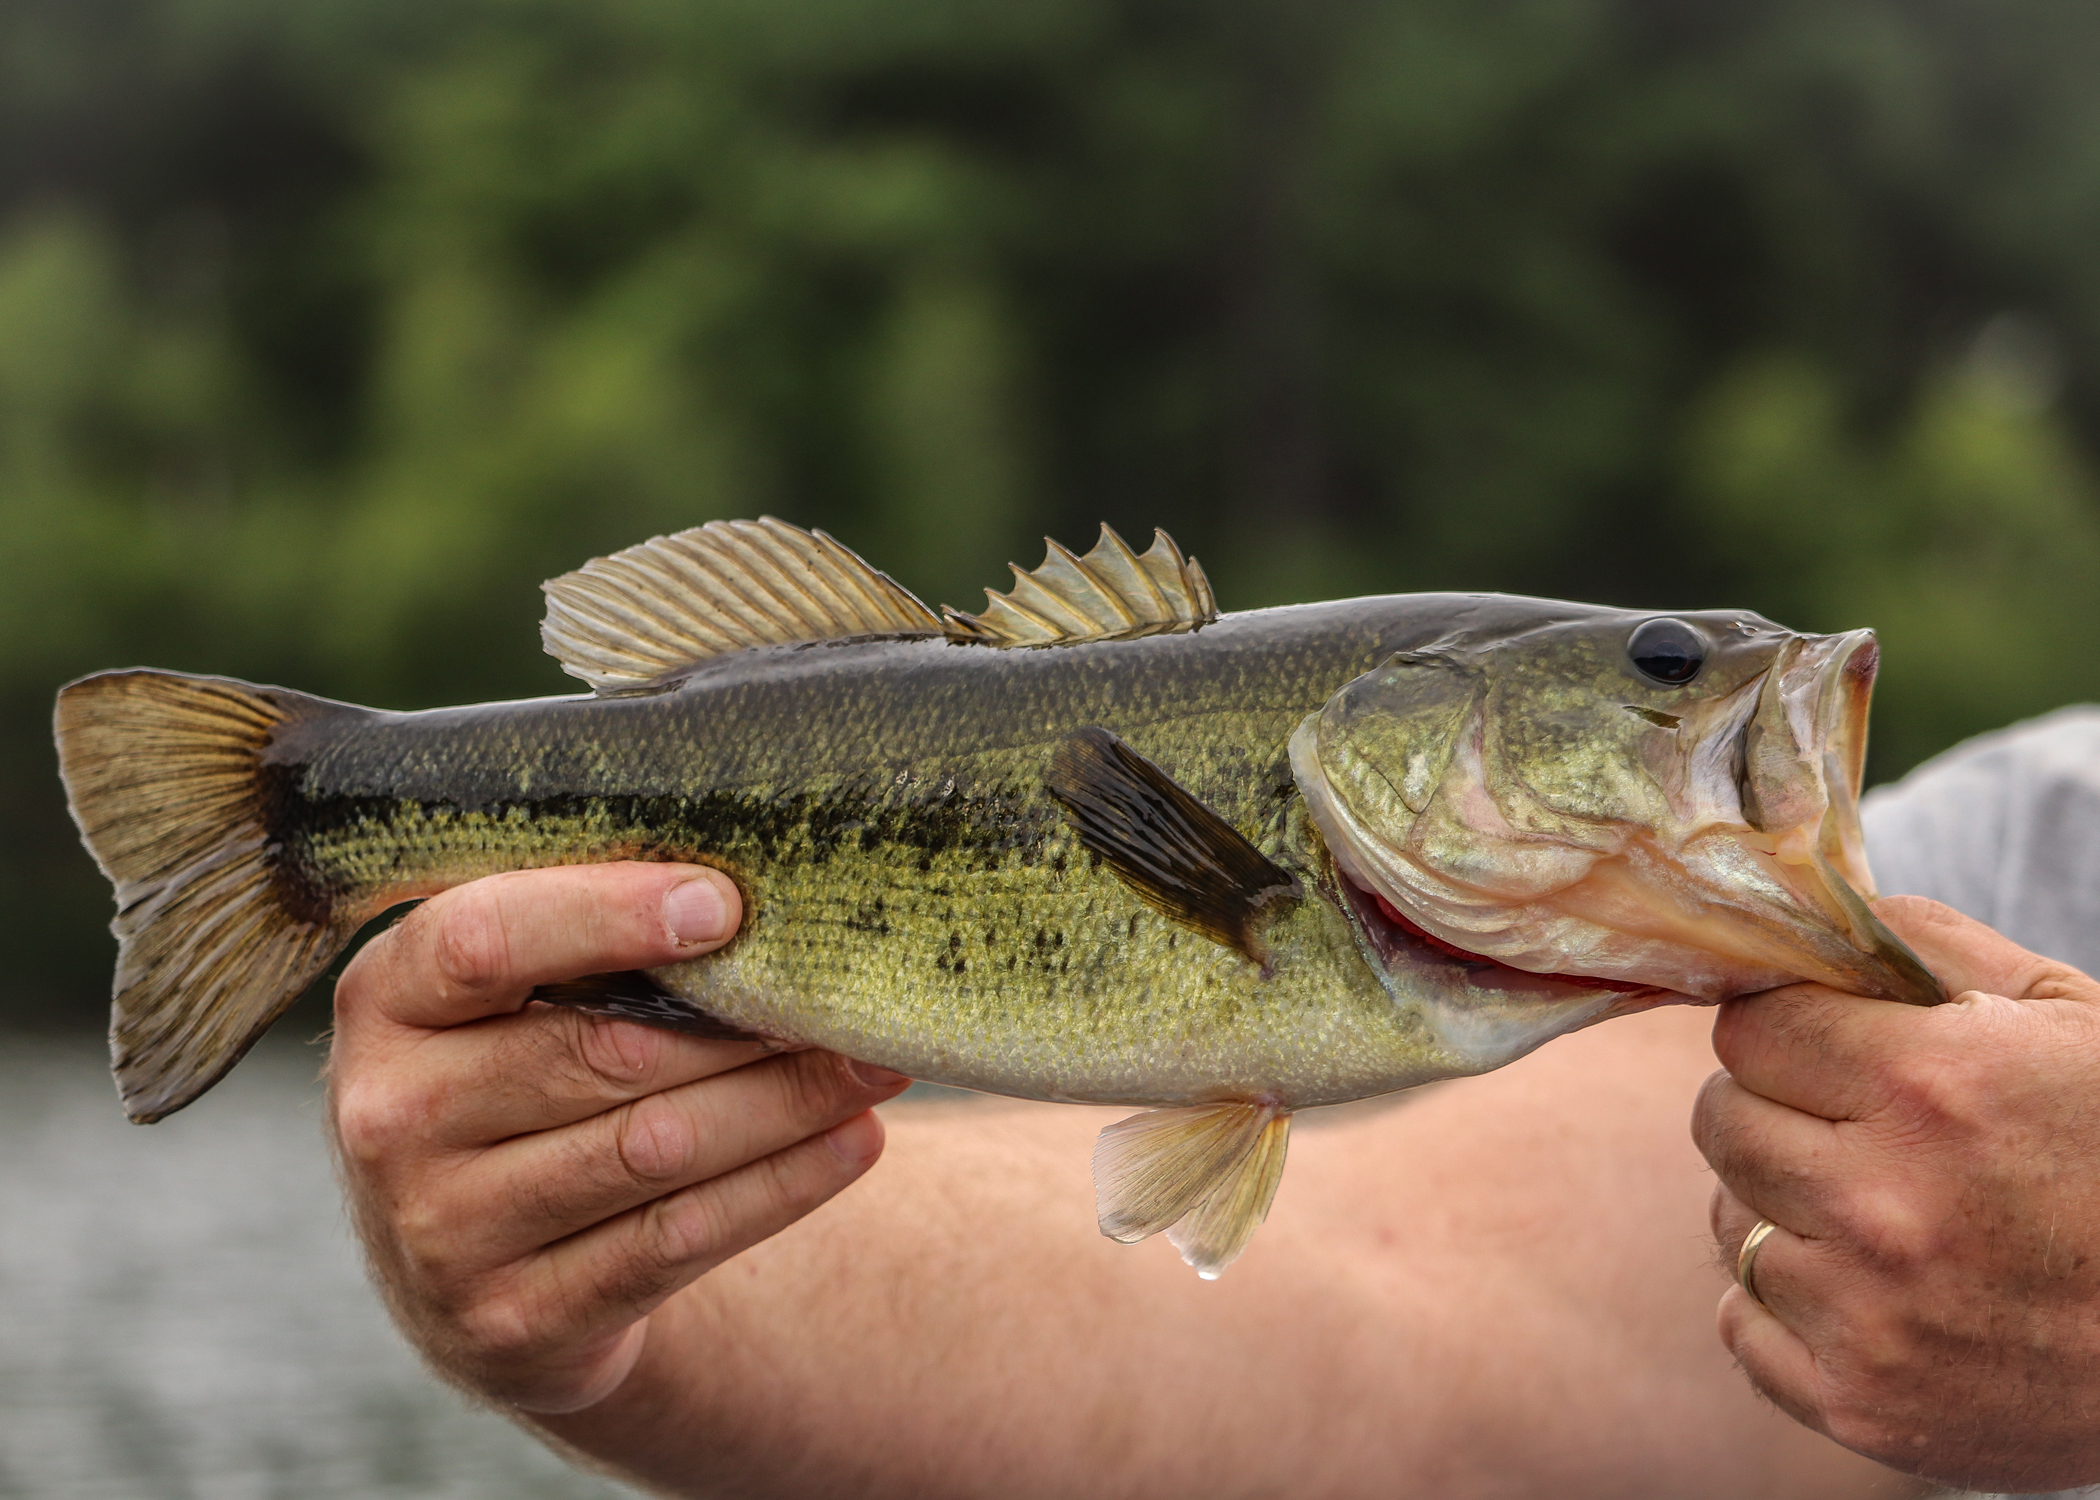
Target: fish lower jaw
x=1398 y=938
x=1563 y=940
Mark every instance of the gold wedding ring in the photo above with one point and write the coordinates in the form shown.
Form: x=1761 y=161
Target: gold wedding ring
x=1746 y=1259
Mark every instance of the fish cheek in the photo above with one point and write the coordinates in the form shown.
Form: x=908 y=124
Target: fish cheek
x=1566 y=762
x=1386 y=740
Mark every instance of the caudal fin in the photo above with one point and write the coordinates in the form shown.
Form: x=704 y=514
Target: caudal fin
x=217 y=931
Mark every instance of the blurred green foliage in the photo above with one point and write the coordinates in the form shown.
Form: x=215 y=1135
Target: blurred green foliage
x=328 y=329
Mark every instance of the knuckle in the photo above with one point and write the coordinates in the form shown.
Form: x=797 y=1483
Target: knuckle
x=1888 y=1231
x=614 y=1054
x=470 y=947
x=1861 y=1429
x=652 y=1141
x=1720 y=1214
x=1864 y=1394
x=571 y=1058
x=791 y=1184
x=500 y=1327
x=813 y=1085
x=1930 y=1094
x=676 y=1232
x=540 y=1053
x=1709 y=1112
x=363 y=972
x=372 y=1122
x=670 y=1241
x=425 y=1247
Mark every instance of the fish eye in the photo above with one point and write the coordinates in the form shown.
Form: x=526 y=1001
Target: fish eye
x=1667 y=651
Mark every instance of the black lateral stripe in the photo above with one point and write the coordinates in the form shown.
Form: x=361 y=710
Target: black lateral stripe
x=1179 y=856
x=632 y=995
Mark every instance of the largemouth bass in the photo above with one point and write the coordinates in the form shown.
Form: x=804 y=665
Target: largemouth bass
x=1099 y=843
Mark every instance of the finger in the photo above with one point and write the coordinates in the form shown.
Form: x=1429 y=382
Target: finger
x=471 y=1086
x=1734 y=1221
x=1806 y=1283
x=597 y=1282
x=479 y=949
x=1784 y=1165
x=1821 y=1051
x=1966 y=955
x=558 y=1183
x=1775 y=1358
x=1731 y=1220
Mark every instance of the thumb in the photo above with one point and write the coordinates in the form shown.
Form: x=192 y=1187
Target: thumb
x=1967 y=955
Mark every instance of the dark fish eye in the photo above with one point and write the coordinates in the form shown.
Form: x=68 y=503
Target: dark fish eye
x=1667 y=651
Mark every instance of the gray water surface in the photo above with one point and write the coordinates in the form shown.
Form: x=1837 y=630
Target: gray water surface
x=183 y=1315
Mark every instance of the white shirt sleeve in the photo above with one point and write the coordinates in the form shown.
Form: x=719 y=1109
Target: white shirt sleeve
x=2004 y=827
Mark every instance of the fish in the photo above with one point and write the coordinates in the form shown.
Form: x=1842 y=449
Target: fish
x=1099 y=843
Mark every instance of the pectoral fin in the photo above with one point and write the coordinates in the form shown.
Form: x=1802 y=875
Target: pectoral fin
x=1179 y=856
x=1205 y=1174
x=634 y=995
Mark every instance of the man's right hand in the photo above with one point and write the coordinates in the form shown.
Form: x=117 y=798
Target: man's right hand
x=533 y=1183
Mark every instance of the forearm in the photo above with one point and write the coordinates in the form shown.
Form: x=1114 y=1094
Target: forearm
x=1493 y=1287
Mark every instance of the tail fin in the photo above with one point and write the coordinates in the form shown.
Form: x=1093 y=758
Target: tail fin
x=216 y=936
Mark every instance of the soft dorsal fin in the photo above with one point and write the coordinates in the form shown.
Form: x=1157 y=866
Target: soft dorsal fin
x=1162 y=841
x=1205 y=1173
x=640 y=616
x=1109 y=594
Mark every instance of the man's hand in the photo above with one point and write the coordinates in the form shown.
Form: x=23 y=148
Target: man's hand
x=533 y=1183
x=1932 y=1291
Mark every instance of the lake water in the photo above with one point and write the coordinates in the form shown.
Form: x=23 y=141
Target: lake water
x=183 y=1315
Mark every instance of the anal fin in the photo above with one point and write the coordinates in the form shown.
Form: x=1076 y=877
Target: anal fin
x=1204 y=1173
x=633 y=995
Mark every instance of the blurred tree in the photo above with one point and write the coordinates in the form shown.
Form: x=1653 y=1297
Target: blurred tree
x=327 y=330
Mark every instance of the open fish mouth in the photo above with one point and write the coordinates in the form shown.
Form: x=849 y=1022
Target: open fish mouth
x=1397 y=942
x=1801 y=760
x=1480 y=1008
x=1747 y=871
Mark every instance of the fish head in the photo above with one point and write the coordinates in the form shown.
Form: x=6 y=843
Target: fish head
x=1661 y=800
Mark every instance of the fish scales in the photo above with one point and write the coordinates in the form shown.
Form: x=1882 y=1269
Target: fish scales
x=914 y=895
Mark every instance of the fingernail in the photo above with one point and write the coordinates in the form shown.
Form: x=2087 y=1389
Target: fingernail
x=858 y=1141
x=873 y=1077
x=696 y=913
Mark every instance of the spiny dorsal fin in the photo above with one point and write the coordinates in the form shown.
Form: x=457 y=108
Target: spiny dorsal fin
x=1162 y=841
x=1109 y=594
x=1205 y=1173
x=641 y=616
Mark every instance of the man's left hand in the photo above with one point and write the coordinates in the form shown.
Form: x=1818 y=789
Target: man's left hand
x=1931 y=1295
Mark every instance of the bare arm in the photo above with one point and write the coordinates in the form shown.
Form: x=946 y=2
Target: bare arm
x=1492 y=1288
